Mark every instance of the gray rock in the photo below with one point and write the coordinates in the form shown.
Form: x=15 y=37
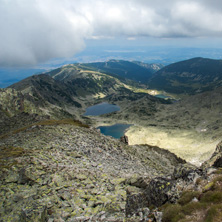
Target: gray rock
x=135 y=202
x=11 y=178
x=124 y=139
x=158 y=216
x=218 y=163
x=160 y=190
x=23 y=179
x=187 y=172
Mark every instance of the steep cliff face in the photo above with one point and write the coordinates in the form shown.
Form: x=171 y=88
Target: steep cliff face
x=216 y=158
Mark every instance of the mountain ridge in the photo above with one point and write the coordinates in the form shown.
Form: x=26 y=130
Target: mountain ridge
x=189 y=76
x=137 y=71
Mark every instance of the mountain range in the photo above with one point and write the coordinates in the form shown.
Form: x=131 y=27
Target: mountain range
x=56 y=166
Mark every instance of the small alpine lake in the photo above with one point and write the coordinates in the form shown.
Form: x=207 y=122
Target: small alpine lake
x=101 y=108
x=115 y=131
x=161 y=96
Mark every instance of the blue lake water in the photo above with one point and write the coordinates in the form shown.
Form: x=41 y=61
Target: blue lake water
x=115 y=131
x=162 y=96
x=102 y=108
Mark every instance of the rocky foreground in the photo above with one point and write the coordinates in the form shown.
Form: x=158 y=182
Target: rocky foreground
x=64 y=171
x=59 y=171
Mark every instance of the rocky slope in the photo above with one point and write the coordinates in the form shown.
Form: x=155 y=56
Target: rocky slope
x=203 y=201
x=188 y=77
x=64 y=171
x=201 y=111
x=13 y=102
x=61 y=170
x=18 y=110
x=189 y=194
x=52 y=91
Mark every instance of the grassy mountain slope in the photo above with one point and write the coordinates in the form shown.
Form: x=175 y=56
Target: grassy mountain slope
x=86 y=81
x=137 y=71
x=43 y=95
x=189 y=76
x=45 y=87
x=63 y=92
x=202 y=111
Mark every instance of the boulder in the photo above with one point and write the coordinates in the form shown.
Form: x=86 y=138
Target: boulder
x=216 y=158
x=156 y=193
x=124 y=139
x=161 y=190
x=23 y=178
x=134 y=202
x=187 y=172
x=218 y=163
x=139 y=182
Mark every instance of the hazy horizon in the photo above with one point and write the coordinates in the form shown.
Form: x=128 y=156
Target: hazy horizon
x=163 y=54
x=39 y=35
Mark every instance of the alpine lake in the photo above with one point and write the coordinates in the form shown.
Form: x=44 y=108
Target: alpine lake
x=116 y=130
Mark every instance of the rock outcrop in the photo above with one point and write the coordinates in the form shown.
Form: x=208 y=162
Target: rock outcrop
x=124 y=139
x=161 y=190
x=216 y=158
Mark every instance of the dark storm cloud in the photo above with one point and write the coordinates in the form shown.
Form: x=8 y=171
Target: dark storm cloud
x=34 y=31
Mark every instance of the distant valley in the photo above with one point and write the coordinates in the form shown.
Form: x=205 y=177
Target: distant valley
x=69 y=90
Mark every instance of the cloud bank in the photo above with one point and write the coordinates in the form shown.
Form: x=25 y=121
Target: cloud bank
x=34 y=31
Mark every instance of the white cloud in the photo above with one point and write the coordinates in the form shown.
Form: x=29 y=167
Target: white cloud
x=34 y=31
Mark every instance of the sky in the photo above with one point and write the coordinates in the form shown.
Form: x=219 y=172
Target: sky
x=39 y=31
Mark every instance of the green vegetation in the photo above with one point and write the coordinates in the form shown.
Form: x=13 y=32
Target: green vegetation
x=11 y=151
x=123 y=70
x=8 y=155
x=188 y=77
x=187 y=197
x=214 y=213
x=208 y=203
x=63 y=121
